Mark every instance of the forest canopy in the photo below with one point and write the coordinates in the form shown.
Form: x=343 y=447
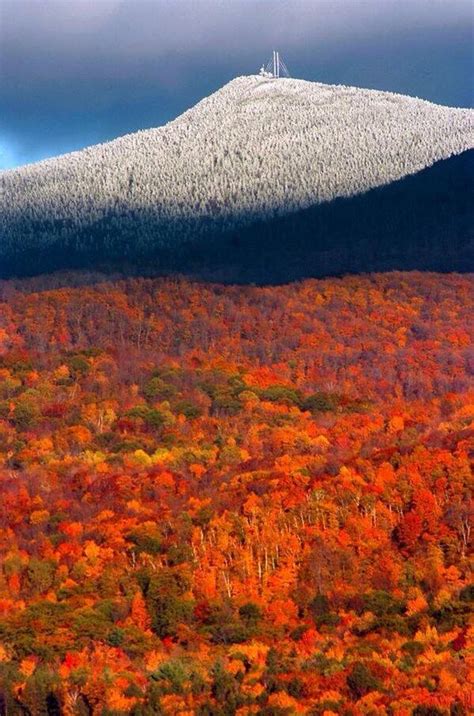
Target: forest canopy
x=221 y=500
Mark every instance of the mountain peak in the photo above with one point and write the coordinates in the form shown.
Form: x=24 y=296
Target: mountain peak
x=257 y=148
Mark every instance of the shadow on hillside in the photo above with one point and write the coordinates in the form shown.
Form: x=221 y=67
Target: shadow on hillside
x=424 y=221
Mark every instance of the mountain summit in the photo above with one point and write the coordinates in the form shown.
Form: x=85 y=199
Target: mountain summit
x=257 y=150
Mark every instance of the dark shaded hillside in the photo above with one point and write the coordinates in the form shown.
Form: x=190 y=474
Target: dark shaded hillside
x=423 y=221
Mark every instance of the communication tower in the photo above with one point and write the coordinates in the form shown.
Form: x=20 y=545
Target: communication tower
x=275 y=67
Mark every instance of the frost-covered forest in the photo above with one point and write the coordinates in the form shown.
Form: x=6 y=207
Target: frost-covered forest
x=257 y=148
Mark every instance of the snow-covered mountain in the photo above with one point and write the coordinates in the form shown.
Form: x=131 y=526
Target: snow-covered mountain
x=257 y=149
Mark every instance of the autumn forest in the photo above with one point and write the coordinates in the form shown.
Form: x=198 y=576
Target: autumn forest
x=222 y=500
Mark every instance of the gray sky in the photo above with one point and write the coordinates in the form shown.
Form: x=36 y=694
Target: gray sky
x=77 y=72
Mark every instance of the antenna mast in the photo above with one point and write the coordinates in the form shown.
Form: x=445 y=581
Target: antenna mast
x=275 y=67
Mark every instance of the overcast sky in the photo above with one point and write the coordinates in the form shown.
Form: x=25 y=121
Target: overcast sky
x=77 y=72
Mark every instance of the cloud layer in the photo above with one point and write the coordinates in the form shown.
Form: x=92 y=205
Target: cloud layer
x=75 y=72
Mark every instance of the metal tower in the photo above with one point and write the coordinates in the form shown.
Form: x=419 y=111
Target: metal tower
x=275 y=67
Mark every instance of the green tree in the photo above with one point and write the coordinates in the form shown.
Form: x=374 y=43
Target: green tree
x=40 y=693
x=281 y=394
x=26 y=412
x=166 y=603
x=361 y=680
x=320 y=402
x=250 y=614
x=41 y=574
x=225 y=690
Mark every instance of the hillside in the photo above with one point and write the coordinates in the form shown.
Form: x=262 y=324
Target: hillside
x=256 y=150
x=237 y=500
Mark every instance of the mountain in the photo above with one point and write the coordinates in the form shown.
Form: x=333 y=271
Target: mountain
x=285 y=167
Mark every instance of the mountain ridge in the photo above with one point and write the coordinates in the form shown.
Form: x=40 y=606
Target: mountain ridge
x=234 y=82
x=256 y=150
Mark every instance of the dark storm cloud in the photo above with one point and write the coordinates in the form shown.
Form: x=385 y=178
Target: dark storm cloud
x=75 y=72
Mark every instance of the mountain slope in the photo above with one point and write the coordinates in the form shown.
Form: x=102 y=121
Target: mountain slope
x=423 y=221
x=255 y=150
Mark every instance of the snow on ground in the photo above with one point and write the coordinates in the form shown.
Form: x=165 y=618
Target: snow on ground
x=256 y=147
